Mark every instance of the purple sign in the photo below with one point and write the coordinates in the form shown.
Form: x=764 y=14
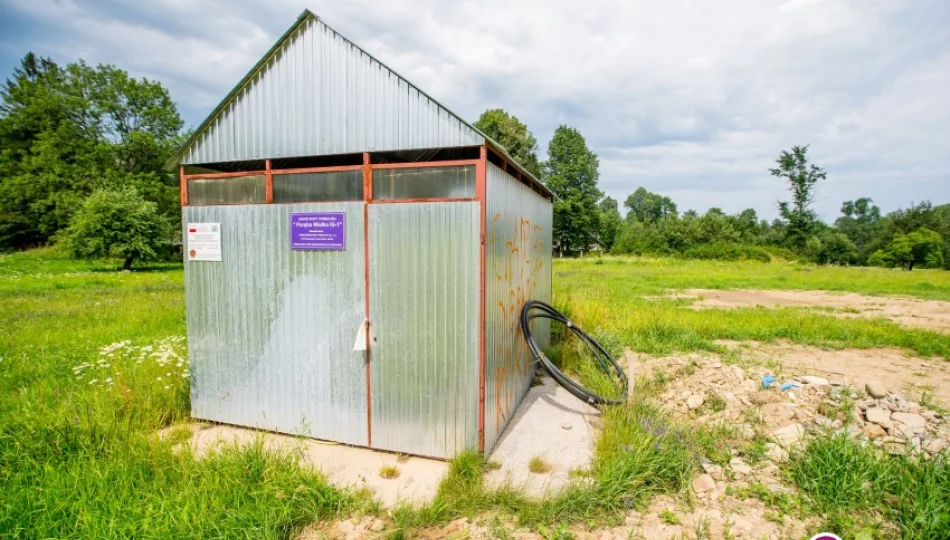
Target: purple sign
x=318 y=231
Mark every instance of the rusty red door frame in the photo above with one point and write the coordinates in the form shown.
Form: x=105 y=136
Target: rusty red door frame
x=481 y=192
x=367 y=197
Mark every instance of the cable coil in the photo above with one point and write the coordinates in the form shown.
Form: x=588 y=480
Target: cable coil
x=534 y=309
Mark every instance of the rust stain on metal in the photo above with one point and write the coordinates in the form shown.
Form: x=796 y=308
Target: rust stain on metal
x=268 y=183
x=183 y=185
x=518 y=274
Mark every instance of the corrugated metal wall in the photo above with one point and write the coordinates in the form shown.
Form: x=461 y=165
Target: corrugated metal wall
x=271 y=330
x=323 y=95
x=424 y=285
x=518 y=227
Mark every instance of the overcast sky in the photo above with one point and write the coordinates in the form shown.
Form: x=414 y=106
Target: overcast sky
x=693 y=99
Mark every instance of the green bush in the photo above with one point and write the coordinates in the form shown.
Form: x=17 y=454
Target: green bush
x=116 y=223
x=880 y=258
x=779 y=253
x=721 y=251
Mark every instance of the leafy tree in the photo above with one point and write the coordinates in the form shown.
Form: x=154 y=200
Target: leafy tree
x=912 y=218
x=747 y=223
x=648 y=207
x=832 y=248
x=571 y=172
x=803 y=181
x=907 y=220
x=716 y=226
x=922 y=246
x=861 y=222
x=610 y=221
x=513 y=135
x=67 y=131
x=116 y=223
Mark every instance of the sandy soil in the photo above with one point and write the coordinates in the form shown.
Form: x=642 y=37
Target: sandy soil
x=928 y=314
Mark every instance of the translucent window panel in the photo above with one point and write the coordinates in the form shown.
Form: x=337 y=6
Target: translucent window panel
x=317 y=187
x=235 y=190
x=453 y=182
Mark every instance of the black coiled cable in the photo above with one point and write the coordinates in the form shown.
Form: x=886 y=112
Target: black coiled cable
x=534 y=309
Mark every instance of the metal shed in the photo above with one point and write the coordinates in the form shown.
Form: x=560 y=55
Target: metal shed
x=327 y=200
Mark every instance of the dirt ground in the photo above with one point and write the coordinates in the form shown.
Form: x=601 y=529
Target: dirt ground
x=928 y=314
x=910 y=375
x=725 y=501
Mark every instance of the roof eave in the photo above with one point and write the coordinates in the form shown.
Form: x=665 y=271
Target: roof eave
x=501 y=150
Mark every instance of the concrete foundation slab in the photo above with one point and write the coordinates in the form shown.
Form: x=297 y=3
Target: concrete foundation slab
x=552 y=425
x=344 y=466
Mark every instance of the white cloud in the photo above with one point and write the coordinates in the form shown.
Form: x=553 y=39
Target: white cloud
x=693 y=99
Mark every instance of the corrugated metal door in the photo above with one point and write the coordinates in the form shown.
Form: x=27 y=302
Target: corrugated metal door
x=270 y=329
x=424 y=286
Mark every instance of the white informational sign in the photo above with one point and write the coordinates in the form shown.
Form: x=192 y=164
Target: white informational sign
x=204 y=242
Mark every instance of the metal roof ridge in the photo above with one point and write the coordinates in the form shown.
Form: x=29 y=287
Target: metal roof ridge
x=304 y=16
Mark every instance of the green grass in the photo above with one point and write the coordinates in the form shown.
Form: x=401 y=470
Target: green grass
x=609 y=300
x=537 y=465
x=854 y=485
x=389 y=471
x=641 y=453
x=669 y=517
x=715 y=403
x=649 y=276
x=92 y=362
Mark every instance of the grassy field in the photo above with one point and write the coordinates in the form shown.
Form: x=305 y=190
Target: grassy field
x=616 y=299
x=93 y=362
x=645 y=276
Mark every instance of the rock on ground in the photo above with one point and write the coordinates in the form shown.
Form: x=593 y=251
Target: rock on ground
x=875 y=389
x=909 y=419
x=878 y=415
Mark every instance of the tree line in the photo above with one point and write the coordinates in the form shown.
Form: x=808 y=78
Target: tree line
x=82 y=150
x=81 y=156
x=585 y=219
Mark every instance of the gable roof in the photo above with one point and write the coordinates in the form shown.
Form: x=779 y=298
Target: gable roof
x=317 y=93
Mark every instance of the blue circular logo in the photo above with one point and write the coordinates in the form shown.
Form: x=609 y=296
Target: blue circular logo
x=826 y=536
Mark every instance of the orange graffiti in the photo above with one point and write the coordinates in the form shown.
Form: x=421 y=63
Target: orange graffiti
x=518 y=273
